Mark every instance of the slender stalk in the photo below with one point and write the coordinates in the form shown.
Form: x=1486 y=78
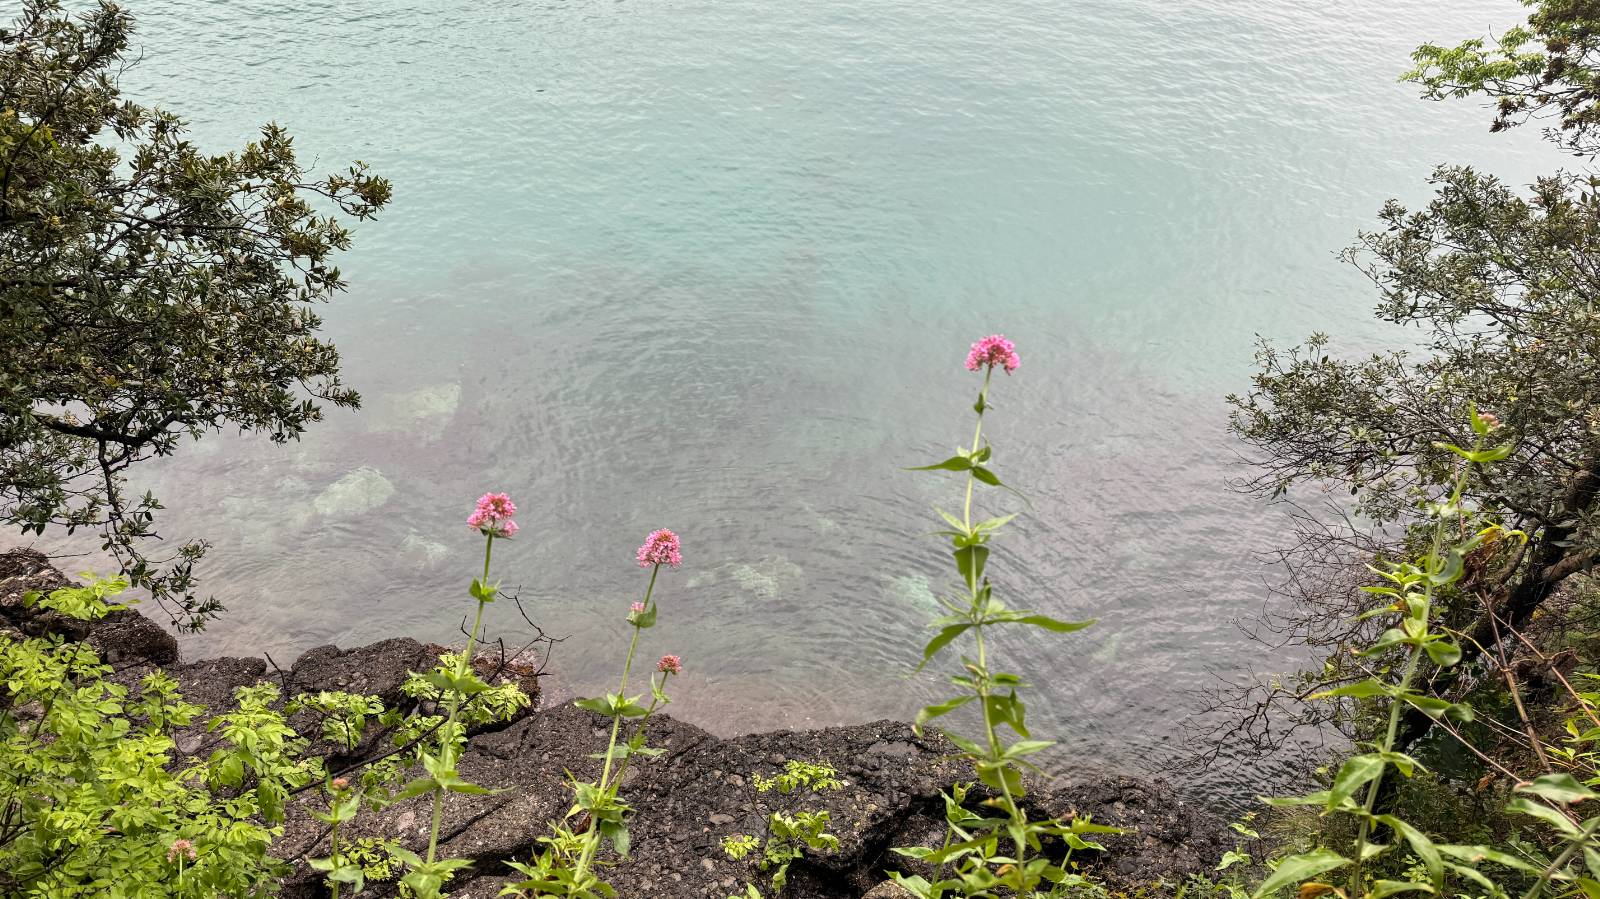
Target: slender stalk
x=644 y=720
x=1578 y=842
x=591 y=842
x=1413 y=661
x=447 y=733
x=973 y=585
x=333 y=841
x=1372 y=789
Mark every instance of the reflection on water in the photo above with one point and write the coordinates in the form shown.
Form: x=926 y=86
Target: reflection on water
x=714 y=266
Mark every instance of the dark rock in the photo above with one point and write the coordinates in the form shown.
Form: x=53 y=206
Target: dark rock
x=686 y=800
x=122 y=639
x=377 y=669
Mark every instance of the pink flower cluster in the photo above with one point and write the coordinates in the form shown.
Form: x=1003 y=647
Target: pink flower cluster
x=660 y=548
x=183 y=848
x=670 y=665
x=991 y=351
x=493 y=515
x=637 y=608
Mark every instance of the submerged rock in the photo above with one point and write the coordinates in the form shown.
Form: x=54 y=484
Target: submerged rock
x=357 y=493
x=423 y=413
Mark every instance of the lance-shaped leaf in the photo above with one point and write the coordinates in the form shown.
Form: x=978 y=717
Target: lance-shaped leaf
x=1297 y=868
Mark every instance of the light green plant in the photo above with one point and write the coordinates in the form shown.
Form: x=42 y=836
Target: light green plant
x=787 y=838
x=343 y=716
x=987 y=854
x=1409 y=594
x=737 y=846
x=95 y=798
x=798 y=775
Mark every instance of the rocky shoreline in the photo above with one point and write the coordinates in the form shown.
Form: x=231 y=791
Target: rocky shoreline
x=699 y=791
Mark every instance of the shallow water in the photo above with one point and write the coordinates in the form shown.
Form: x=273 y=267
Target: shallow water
x=714 y=266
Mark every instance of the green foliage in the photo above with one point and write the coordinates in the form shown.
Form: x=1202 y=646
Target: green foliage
x=739 y=845
x=94 y=796
x=150 y=291
x=788 y=835
x=1497 y=287
x=1545 y=68
x=376 y=858
x=344 y=716
x=1408 y=595
x=490 y=702
x=798 y=775
x=975 y=845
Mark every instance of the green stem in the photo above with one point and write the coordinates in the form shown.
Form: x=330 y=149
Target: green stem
x=1396 y=705
x=1371 y=802
x=333 y=841
x=447 y=738
x=977 y=434
x=591 y=842
x=1577 y=842
x=644 y=720
x=982 y=676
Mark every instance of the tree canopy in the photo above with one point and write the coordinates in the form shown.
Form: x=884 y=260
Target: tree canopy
x=148 y=290
x=1546 y=68
x=1498 y=290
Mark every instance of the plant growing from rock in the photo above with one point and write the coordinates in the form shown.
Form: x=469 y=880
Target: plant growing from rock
x=797 y=775
x=567 y=865
x=94 y=796
x=986 y=853
x=456 y=683
x=788 y=835
x=787 y=838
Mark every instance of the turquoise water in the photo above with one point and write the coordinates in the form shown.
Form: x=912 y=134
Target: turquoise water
x=714 y=266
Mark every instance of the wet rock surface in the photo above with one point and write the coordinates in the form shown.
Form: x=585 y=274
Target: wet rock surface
x=700 y=790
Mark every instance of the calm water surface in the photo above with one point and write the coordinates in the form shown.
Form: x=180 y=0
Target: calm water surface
x=714 y=266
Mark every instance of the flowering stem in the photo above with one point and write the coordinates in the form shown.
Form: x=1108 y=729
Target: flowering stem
x=591 y=842
x=977 y=434
x=644 y=720
x=447 y=733
x=981 y=677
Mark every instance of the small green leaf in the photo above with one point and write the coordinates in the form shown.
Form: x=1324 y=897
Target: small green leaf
x=1443 y=652
x=931 y=712
x=940 y=642
x=1357 y=771
x=1544 y=813
x=954 y=463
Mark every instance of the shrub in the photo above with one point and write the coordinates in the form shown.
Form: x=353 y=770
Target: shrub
x=95 y=799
